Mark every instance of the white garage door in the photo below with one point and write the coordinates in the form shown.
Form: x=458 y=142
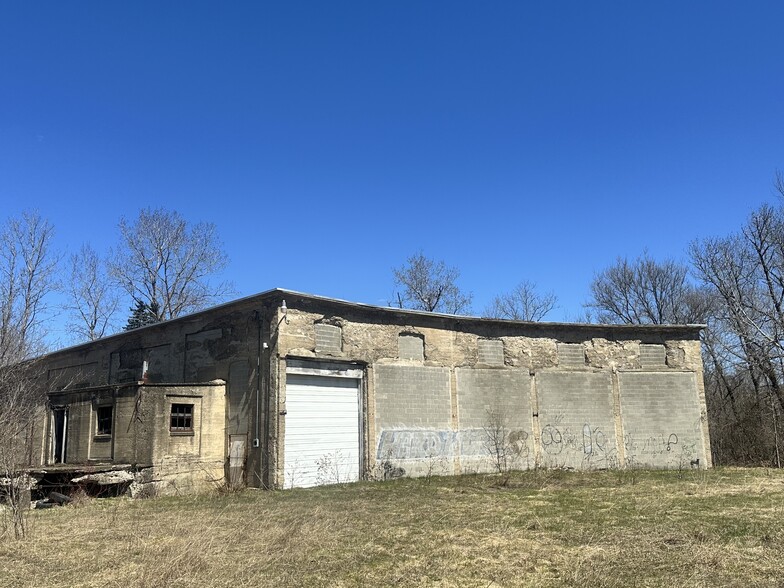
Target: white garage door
x=322 y=431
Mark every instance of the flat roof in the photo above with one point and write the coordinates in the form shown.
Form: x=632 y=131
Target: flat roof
x=293 y=294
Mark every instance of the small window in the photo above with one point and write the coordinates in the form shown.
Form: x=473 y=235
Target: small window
x=103 y=420
x=181 y=418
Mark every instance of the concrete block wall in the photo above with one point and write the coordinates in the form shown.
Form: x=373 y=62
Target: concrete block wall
x=661 y=419
x=413 y=416
x=491 y=352
x=329 y=338
x=494 y=407
x=576 y=420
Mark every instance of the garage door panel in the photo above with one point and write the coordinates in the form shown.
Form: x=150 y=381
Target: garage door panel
x=322 y=438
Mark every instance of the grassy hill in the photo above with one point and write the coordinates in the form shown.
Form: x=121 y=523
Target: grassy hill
x=716 y=528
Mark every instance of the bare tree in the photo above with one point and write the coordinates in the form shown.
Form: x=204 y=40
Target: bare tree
x=27 y=276
x=167 y=264
x=92 y=297
x=523 y=303
x=429 y=285
x=745 y=344
x=645 y=291
x=22 y=401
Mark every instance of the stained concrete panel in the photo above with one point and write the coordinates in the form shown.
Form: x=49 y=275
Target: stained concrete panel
x=411 y=347
x=413 y=418
x=126 y=365
x=660 y=413
x=576 y=420
x=239 y=398
x=491 y=352
x=494 y=407
x=571 y=355
x=329 y=338
x=200 y=351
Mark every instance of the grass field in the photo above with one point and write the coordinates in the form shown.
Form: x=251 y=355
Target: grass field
x=716 y=528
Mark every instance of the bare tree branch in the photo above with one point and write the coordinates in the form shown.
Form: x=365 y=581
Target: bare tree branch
x=644 y=291
x=92 y=297
x=27 y=275
x=523 y=303
x=167 y=265
x=429 y=285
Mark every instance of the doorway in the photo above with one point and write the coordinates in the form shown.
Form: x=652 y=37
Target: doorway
x=59 y=433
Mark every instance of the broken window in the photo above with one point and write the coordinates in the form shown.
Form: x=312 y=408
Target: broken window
x=181 y=418
x=103 y=420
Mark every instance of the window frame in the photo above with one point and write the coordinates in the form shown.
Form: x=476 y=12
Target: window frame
x=102 y=418
x=184 y=416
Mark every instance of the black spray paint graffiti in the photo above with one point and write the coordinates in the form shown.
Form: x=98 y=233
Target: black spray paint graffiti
x=661 y=444
x=557 y=439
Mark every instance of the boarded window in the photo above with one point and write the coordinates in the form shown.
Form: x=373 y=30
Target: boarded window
x=652 y=355
x=491 y=352
x=571 y=355
x=181 y=418
x=329 y=338
x=411 y=346
x=103 y=420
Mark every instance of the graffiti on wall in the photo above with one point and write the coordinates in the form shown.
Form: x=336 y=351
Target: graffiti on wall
x=565 y=445
x=402 y=444
x=560 y=445
x=588 y=446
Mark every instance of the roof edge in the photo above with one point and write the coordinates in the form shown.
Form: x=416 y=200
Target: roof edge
x=282 y=292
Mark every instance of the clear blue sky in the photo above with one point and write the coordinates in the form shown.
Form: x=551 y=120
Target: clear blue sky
x=330 y=140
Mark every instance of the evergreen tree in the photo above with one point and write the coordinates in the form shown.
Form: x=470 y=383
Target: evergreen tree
x=142 y=314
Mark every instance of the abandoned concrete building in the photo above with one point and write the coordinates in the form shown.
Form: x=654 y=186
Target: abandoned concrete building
x=284 y=389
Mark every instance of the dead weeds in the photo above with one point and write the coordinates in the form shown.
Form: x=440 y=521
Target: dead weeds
x=717 y=528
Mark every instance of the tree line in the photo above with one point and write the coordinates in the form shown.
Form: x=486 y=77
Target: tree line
x=163 y=267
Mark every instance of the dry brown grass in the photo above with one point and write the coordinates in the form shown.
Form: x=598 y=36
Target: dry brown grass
x=718 y=528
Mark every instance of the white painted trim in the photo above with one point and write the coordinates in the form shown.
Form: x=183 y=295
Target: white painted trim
x=353 y=374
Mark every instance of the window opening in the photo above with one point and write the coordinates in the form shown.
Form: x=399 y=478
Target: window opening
x=181 y=418
x=103 y=420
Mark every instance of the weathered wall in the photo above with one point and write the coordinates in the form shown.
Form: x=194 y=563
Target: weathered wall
x=661 y=419
x=576 y=419
x=126 y=444
x=141 y=436
x=220 y=343
x=561 y=395
x=187 y=462
x=434 y=385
